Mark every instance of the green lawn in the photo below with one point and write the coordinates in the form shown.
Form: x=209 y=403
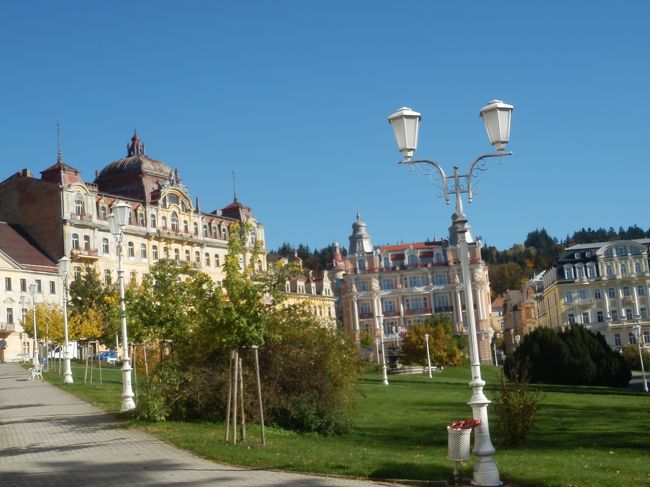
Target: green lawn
x=586 y=436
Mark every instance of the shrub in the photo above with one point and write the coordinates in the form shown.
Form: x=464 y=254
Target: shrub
x=518 y=410
x=630 y=355
x=576 y=356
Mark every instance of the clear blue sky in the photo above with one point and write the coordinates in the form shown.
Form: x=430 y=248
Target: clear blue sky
x=294 y=95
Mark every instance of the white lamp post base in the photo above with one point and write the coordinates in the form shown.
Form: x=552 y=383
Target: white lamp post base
x=127 y=392
x=67 y=372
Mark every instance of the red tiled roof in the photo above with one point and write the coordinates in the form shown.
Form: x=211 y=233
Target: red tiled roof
x=22 y=251
x=415 y=245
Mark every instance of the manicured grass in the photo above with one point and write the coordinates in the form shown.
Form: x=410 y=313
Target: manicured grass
x=586 y=436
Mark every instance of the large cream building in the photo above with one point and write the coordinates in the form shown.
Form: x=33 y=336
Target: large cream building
x=69 y=216
x=603 y=286
x=403 y=285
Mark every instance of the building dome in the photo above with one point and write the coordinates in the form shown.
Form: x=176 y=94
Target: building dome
x=135 y=162
x=360 y=240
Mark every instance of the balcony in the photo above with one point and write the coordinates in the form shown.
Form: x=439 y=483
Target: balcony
x=444 y=309
x=390 y=314
x=417 y=311
x=7 y=327
x=81 y=217
x=365 y=316
x=81 y=254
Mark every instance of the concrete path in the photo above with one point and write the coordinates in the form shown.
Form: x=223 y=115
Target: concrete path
x=50 y=438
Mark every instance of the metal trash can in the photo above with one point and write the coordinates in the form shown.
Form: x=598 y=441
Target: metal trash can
x=458 y=444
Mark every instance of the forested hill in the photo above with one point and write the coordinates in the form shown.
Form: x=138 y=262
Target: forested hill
x=509 y=269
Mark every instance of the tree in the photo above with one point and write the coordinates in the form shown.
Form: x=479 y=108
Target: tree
x=445 y=349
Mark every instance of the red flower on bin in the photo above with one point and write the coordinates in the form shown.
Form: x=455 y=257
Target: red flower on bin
x=465 y=424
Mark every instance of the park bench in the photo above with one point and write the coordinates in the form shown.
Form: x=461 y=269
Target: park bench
x=36 y=371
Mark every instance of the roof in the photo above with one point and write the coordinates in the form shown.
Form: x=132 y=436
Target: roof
x=414 y=245
x=17 y=246
x=597 y=245
x=135 y=164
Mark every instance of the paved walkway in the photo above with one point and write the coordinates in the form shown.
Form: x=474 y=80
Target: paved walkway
x=50 y=438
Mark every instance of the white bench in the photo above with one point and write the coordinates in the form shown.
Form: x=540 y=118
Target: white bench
x=36 y=371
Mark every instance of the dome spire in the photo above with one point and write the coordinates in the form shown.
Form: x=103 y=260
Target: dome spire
x=59 y=156
x=135 y=148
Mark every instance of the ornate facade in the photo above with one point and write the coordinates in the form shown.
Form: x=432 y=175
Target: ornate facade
x=69 y=216
x=405 y=284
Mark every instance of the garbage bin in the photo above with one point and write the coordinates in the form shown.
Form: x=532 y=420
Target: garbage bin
x=458 y=444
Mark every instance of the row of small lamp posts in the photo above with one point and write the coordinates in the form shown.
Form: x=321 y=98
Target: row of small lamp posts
x=496 y=118
x=117 y=221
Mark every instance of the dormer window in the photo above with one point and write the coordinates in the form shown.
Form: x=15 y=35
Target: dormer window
x=568 y=272
x=79 y=207
x=141 y=220
x=102 y=212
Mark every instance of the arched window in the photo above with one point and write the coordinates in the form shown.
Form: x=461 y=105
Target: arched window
x=187 y=256
x=186 y=226
x=154 y=252
x=224 y=233
x=105 y=247
x=75 y=241
x=197 y=256
x=131 y=249
x=205 y=230
x=79 y=207
x=102 y=212
x=215 y=233
x=143 y=251
x=174 y=221
x=141 y=220
x=216 y=260
x=568 y=272
x=153 y=221
x=166 y=252
x=177 y=254
x=196 y=228
x=207 y=259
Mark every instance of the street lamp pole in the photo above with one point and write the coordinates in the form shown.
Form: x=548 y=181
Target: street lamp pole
x=426 y=339
x=118 y=221
x=496 y=117
x=384 y=372
x=64 y=267
x=637 y=333
x=32 y=291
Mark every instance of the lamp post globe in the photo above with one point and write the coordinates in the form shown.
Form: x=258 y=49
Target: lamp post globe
x=64 y=268
x=496 y=117
x=32 y=291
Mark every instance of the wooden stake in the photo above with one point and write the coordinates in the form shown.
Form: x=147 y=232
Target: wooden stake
x=259 y=394
x=232 y=354
x=241 y=401
x=234 y=402
x=146 y=364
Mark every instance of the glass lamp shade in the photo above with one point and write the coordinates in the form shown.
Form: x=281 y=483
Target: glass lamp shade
x=406 y=123
x=112 y=223
x=32 y=288
x=496 y=117
x=121 y=212
x=64 y=266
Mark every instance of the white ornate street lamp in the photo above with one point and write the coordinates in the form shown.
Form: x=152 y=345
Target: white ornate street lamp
x=384 y=372
x=637 y=334
x=32 y=291
x=118 y=220
x=426 y=339
x=496 y=118
x=64 y=268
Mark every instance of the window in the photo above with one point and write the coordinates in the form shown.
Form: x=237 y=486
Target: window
x=599 y=317
x=86 y=242
x=628 y=313
x=568 y=272
x=582 y=293
x=416 y=302
x=614 y=314
x=133 y=277
x=442 y=302
x=197 y=257
x=438 y=257
x=571 y=319
x=576 y=255
x=216 y=260
x=643 y=311
x=79 y=204
x=361 y=264
x=75 y=241
x=631 y=339
x=635 y=251
x=623 y=269
x=23 y=285
x=597 y=294
x=387 y=283
x=143 y=251
x=205 y=230
x=417 y=281
x=362 y=285
x=617 y=339
x=39 y=287
x=609 y=252
x=637 y=268
x=568 y=297
x=626 y=291
x=129 y=219
x=153 y=221
x=52 y=287
x=412 y=259
x=364 y=309
x=174 y=221
x=591 y=269
x=141 y=220
x=608 y=270
x=177 y=254
x=10 y=315
x=107 y=276
x=440 y=279
x=154 y=252
x=187 y=256
x=621 y=250
x=186 y=227
x=131 y=248
x=105 y=247
x=580 y=271
x=102 y=212
x=611 y=293
x=640 y=290
x=585 y=318
x=196 y=228
x=224 y=232
x=7 y=283
x=164 y=222
x=388 y=306
x=207 y=259
x=646 y=336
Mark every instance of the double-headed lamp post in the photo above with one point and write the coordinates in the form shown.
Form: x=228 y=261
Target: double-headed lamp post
x=637 y=334
x=64 y=268
x=118 y=219
x=496 y=117
x=32 y=291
